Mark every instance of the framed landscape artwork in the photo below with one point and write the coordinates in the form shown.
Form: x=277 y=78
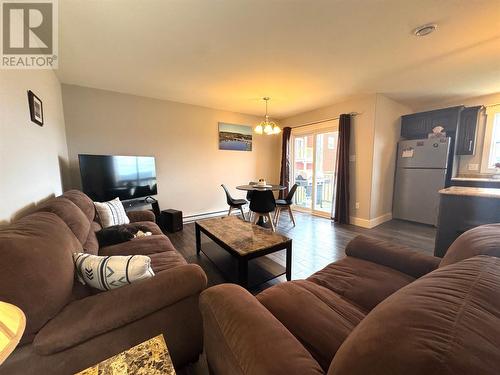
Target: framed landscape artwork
x=235 y=137
x=36 y=108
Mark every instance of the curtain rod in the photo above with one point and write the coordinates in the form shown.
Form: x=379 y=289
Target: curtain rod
x=325 y=120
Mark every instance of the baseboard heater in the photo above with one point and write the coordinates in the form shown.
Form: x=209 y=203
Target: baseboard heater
x=192 y=218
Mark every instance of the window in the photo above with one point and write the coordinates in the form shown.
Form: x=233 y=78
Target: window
x=494 y=156
x=491 y=145
x=331 y=143
x=299 y=148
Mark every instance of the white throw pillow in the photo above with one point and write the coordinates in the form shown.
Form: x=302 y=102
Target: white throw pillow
x=111 y=213
x=111 y=272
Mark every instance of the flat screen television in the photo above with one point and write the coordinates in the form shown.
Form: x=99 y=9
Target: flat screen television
x=105 y=177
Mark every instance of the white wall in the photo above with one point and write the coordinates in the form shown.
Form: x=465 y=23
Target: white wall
x=182 y=137
x=387 y=133
x=30 y=155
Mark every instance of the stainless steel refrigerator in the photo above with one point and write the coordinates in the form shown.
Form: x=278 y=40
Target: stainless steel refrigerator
x=421 y=170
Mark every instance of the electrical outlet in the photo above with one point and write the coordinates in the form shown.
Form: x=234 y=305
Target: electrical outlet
x=357 y=205
x=352 y=158
x=473 y=167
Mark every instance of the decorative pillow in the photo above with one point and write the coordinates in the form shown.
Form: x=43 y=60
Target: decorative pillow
x=111 y=272
x=111 y=213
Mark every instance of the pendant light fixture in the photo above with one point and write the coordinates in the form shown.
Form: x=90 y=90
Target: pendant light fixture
x=266 y=126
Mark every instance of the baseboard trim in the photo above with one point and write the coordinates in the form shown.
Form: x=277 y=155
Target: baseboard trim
x=208 y=215
x=371 y=223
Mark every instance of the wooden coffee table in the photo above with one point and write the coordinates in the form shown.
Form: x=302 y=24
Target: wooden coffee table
x=150 y=357
x=244 y=241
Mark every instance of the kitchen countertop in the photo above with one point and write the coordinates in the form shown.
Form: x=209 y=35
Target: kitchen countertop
x=481 y=179
x=471 y=191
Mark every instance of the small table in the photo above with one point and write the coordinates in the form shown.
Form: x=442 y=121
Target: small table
x=257 y=194
x=150 y=357
x=244 y=241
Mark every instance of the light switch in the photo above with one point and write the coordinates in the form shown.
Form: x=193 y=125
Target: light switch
x=473 y=167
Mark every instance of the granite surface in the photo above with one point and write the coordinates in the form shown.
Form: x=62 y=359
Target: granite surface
x=479 y=179
x=148 y=358
x=242 y=236
x=471 y=191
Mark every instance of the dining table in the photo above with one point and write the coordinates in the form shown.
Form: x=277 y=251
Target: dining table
x=258 y=193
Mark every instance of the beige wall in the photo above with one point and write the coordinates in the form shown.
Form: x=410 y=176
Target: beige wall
x=387 y=133
x=182 y=137
x=361 y=145
x=464 y=161
x=30 y=156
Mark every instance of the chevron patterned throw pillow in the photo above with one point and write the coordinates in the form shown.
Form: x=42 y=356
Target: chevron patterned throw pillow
x=111 y=272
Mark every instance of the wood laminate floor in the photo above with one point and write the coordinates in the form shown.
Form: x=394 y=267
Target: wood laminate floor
x=316 y=243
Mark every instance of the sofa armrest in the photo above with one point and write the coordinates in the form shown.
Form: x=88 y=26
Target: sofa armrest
x=91 y=316
x=144 y=215
x=390 y=254
x=242 y=337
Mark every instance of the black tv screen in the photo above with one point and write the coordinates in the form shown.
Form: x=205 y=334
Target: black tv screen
x=105 y=177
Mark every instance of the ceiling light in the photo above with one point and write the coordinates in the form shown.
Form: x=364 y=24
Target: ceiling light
x=425 y=30
x=266 y=126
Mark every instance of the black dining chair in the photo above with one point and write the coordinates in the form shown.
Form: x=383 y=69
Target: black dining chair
x=262 y=204
x=249 y=198
x=285 y=204
x=234 y=203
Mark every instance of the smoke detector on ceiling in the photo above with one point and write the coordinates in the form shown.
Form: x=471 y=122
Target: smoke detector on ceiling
x=425 y=30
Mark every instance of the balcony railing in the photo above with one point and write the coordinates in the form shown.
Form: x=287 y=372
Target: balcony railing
x=324 y=192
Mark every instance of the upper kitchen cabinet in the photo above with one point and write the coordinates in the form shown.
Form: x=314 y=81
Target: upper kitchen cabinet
x=466 y=136
x=419 y=125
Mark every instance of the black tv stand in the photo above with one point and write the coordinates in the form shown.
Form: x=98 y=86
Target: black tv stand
x=141 y=204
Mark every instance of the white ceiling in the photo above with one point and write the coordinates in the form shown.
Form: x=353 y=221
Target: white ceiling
x=304 y=54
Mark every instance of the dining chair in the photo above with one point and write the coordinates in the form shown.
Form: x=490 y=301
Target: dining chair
x=285 y=204
x=249 y=198
x=262 y=204
x=234 y=203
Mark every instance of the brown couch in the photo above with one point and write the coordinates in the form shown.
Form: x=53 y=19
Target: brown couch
x=71 y=326
x=381 y=310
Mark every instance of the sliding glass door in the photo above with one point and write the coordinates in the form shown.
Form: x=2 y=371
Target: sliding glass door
x=314 y=153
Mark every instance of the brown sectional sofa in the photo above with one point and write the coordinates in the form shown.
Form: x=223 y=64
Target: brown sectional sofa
x=380 y=310
x=70 y=326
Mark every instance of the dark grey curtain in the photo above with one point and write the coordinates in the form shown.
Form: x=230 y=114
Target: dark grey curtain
x=341 y=213
x=285 y=161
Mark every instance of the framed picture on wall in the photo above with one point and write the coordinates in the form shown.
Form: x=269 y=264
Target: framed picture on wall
x=235 y=137
x=36 y=108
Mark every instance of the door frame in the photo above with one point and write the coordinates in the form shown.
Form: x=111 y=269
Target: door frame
x=311 y=130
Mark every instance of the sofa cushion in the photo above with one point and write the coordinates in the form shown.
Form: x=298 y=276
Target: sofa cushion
x=320 y=319
x=392 y=254
x=360 y=281
x=166 y=260
x=37 y=270
x=92 y=316
x=74 y=218
x=447 y=322
x=482 y=240
x=82 y=201
x=91 y=245
x=140 y=246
